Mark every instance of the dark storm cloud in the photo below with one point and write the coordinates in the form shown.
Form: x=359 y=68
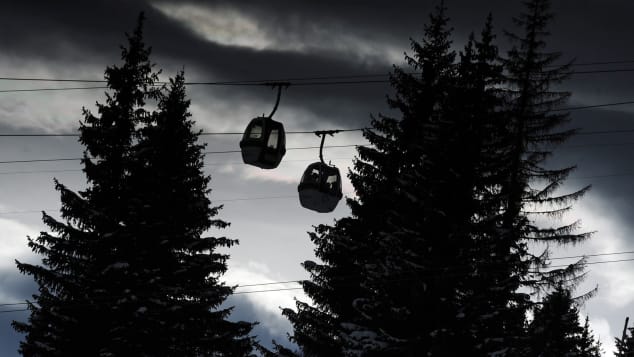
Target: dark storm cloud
x=602 y=159
x=72 y=32
x=67 y=34
x=78 y=32
x=8 y=337
x=41 y=28
x=586 y=29
x=15 y=288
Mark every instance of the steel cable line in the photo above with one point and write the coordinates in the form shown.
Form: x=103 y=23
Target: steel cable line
x=583 y=107
x=47 y=89
x=137 y=294
x=234 y=293
x=590 y=132
x=598 y=132
x=367 y=128
x=303 y=160
x=335 y=283
x=596 y=145
x=37 y=171
x=300 y=84
x=596 y=63
x=304 y=78
x=201 y=134
x=315 y=147
x=295 y=81
x=213 y=201
x=207 y=164
x=206 y=153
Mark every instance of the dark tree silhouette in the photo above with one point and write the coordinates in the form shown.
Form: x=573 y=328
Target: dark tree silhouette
x=556 y=331
x=437 y=247
x=625 y=344
x=480 y=158
x=127 y=271
x=385 y=285
x=589 y=346
x=534 y=128
x=177 y=270
x=71 y=313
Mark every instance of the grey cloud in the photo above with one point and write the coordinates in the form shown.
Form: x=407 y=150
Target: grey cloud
x=244 y=310
x=15 y=288
x=67 y=34
x=73 y=33
x=600 y=155
x=9 y=339
x=76 y=32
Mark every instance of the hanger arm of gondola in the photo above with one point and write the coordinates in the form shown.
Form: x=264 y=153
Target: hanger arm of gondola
x=279 y=86
x=326 y=132
x=322 y=134
x=321 y=148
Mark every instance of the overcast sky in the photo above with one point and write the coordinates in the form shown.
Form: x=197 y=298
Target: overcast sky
x=253 y=40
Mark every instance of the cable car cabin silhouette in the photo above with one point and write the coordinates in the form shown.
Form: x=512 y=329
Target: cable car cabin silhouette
x=320 y=187
x=263 y=143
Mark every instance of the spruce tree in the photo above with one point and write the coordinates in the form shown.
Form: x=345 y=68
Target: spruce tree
x=589 y=346
x=534 y=128
x=318 y=328
x=177 y=269
x=127 y=272
x=71 y=313
x=385 y=285
x=480 y=156
x=437 y=247
x=556 y=330
x=625 y=344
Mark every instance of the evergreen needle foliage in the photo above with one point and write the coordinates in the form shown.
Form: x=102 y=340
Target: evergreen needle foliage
x=127 y=272
x=625 y=344
x=556 y=331
x=435 y=259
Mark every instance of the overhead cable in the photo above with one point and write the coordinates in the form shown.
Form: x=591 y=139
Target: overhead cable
x=299 y=281
x=204 y=133
x=206 y=153
x=303 y=78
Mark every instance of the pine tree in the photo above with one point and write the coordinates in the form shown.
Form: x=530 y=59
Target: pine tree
x=127 y=271
x=70 y=314
x=318 y=328
x=534 y=129
x=480 y=159
x=556 y=331
x=588 y=345
x=177 y=270
x=436 y=250
x=625 y=344
x=386 y=286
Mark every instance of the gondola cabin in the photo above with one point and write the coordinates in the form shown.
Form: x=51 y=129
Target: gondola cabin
x=263 y=143
x=320 y=187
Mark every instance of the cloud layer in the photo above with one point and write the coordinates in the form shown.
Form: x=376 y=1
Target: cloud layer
x=222 y=40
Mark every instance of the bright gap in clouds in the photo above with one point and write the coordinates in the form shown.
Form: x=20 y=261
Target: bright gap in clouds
x=608 y=308
x=230 y=27
x=268 y=304
x=13 y=245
